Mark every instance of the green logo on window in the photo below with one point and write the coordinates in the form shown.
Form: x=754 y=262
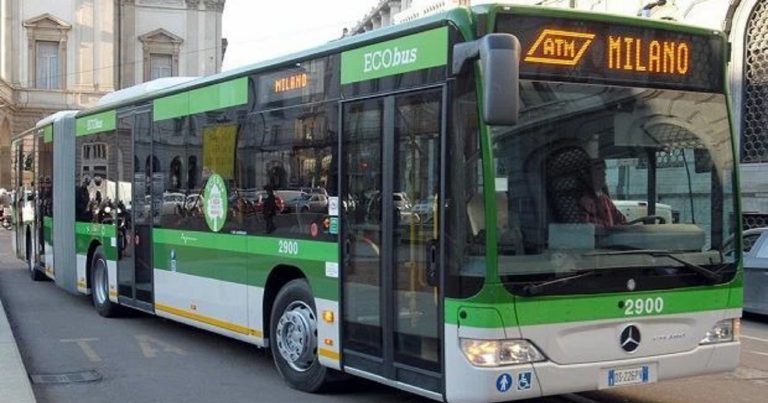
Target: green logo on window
x=215 y=203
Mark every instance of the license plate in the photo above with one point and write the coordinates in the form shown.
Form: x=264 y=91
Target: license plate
x=629 y=376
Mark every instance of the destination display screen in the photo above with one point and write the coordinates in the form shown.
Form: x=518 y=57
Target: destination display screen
x=297 y=83
x=600 y=52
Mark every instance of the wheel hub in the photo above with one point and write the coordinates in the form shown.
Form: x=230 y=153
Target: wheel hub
x=100 y=283
x=296 y=336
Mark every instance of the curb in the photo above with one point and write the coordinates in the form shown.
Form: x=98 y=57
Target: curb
x=14 y=382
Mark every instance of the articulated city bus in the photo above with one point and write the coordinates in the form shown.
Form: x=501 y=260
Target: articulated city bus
x=427 y=205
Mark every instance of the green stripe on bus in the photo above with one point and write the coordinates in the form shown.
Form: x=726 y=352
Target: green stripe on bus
x=48 y=134
x=401 y=55
x=219 y=96
x=86 y=233
x=98 y=123
x=285 y=248
x=577 y=308
x=94 y=229
x=240 y=259
x=48 y=230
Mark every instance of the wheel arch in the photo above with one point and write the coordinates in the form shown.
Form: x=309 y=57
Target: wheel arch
x=278 y=277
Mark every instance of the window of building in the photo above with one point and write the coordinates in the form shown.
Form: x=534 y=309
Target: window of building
x=160 y=66
x=161 y=54
x=47 y=65
x=47 y=39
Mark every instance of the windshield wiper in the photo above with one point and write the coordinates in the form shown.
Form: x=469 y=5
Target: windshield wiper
x=534 y=289
x=713 y=276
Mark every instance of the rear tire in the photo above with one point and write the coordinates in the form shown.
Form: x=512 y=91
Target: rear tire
x=34 y=273
x=293 y=341
x=100 y=286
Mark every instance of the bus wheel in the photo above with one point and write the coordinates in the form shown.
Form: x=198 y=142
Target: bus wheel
x=100 y=285
x=294 y=337
x=34 y=273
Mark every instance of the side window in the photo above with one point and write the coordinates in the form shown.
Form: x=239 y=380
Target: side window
x=171 y=169
x=288 y=164
x=45 y=176
x=465 y=206
x=190 y=151
x=94 y=195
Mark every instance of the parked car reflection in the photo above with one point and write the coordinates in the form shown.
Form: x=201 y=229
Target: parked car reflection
x=755 y=248
x=314 y=203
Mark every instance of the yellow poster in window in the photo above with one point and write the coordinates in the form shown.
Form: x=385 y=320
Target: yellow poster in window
x=219 y=145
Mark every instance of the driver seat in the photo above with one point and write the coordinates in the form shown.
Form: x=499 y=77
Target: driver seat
x=565 y=184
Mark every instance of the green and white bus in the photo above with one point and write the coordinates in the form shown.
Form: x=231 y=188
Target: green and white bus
x=426 y=205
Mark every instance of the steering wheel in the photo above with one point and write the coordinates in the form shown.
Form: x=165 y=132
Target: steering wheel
x=648 y=219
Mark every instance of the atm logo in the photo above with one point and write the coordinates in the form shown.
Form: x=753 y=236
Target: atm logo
x=559 y=47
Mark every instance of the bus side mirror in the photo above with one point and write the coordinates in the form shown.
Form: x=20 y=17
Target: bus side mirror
x=499 y=56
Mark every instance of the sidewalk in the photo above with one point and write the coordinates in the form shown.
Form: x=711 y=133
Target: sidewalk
x=14 y=382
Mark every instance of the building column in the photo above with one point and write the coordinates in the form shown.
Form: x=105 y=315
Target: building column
x=394 y=8
x=5 y=151
x=385 y=16
x=128 y=45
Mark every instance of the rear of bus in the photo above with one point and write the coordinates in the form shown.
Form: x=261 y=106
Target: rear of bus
x=576 y=295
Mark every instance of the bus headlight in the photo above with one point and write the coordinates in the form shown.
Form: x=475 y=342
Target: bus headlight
x=494 y=353
x=721 y=332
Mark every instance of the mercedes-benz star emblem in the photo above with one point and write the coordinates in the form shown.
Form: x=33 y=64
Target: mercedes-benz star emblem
x=630 y=338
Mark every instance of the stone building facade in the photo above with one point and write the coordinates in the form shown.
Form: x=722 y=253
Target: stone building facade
x=388 y=12
x=66 y=54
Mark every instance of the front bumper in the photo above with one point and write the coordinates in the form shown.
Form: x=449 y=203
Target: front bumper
x=467 y=383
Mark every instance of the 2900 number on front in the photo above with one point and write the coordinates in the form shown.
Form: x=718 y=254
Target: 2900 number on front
x=643 y=306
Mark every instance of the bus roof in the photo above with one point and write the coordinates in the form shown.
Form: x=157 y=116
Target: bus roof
x=465 y=19
x=53 y=118
x=460 y=17
x=142 y=89
x=48 y=120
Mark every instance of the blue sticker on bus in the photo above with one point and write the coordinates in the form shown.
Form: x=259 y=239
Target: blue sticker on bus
x=524 y=380
x=504 y=383
x=334 y=226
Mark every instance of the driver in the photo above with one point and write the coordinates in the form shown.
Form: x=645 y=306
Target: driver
x=597 y=206
x=578 y=190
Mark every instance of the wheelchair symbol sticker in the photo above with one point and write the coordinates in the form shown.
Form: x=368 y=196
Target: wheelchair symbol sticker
x=524 y=380
x=504 y=383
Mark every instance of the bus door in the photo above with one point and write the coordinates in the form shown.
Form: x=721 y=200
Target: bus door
x=391 y=301
x=134 y=210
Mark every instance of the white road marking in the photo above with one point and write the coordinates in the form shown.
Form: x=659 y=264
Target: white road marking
x=757 y=352
x=754 y=338
x=87 y=349
x=146 y=342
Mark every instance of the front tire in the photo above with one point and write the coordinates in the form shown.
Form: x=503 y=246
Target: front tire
x=100 y=285
x=293 y=341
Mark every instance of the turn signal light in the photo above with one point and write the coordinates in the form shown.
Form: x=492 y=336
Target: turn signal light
x=328 y=316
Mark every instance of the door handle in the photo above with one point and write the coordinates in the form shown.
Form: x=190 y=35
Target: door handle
x=432 y=273
x=347 y=254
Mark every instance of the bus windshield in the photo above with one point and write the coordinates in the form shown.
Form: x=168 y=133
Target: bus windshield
x=604 y=189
